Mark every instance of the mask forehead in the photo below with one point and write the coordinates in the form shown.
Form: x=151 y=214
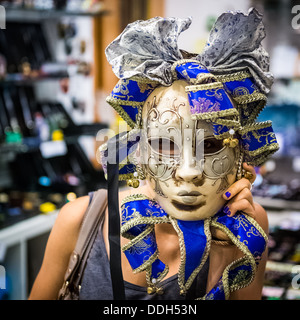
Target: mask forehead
x=167 y=114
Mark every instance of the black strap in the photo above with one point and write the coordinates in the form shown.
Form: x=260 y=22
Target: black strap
x=114 y=231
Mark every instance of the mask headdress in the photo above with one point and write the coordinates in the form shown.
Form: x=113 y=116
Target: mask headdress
x=233 y=65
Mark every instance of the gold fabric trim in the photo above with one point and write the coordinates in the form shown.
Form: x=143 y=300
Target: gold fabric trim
x=116 y=104
x=215 y=114
x=143 y=220
x=258 y=227
x=136 y=239
x=147 y=264
x=144 y=80
x=236 y=76
x=111 y=99
x=257 y=110
x=160 y=277
x=264 y=157
x=271 y=147
x=255 y=126
x=206 y=86
x=247 y=98
x=202 y=77
x=133 y=197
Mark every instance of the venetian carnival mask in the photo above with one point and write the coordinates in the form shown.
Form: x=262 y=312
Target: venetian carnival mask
x=193 y=120
x=184 y=163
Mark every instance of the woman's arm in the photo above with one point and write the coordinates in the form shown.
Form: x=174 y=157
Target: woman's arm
x=61 y=243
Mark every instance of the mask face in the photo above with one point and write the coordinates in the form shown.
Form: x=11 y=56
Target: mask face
x=184 y=164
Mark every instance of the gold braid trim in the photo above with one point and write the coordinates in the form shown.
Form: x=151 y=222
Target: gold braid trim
x=236 y=76
x=206 y=86
x=111 y=99
x=147 y=264
x=135 y=240
x=181 y=272
x=133 y=197
x=258 y=108
x=215 y=114
x=144 y=80
x=202 y=77
x=255 y=126
x=271 y=147
x=247 y=98
x=264 y=157
x=142 y=220
x=116 y=104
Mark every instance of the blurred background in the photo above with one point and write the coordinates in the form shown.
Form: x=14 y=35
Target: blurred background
x=54 y=79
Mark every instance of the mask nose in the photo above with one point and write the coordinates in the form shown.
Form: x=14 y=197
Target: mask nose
x=188 y=171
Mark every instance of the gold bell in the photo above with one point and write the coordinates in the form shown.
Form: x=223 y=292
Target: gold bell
x=230 y=142
x=233 y=143
x=133 y=183
x=159 y=290
x=226 y=142
x=182 y=292
x=150 y=290
x=248 y=175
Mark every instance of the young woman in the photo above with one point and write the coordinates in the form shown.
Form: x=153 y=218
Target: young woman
x=192 y=230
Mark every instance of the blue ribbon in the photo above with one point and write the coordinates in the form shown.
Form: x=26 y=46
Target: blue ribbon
x=190 y=70
x=140 y=214
x=254 y=139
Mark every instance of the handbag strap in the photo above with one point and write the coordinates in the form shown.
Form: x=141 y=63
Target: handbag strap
x=88 y=231
x=114 y=232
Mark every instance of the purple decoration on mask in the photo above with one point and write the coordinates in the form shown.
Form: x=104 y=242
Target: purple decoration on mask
x=203 y=105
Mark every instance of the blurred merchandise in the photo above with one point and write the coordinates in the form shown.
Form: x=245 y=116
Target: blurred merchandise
x=68 y=5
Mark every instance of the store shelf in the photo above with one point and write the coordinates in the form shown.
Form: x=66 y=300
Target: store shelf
x=278 y=204
x=23 y=14
x=33 y=143
x=14 y=251
x=25 y=230
x=23 y=80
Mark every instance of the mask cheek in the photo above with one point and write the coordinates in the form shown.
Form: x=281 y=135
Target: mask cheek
x=221 y=169
x=160 y=167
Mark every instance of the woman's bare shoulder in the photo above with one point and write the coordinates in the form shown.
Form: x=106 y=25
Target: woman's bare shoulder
x=61 y=243
x=65 y=231
x=71 y=214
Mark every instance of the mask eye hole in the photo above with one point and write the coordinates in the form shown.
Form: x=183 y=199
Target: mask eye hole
x=210 y=146
x=164 y=146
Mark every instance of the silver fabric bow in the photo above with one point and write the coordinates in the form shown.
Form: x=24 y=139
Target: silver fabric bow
x=149 y=48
